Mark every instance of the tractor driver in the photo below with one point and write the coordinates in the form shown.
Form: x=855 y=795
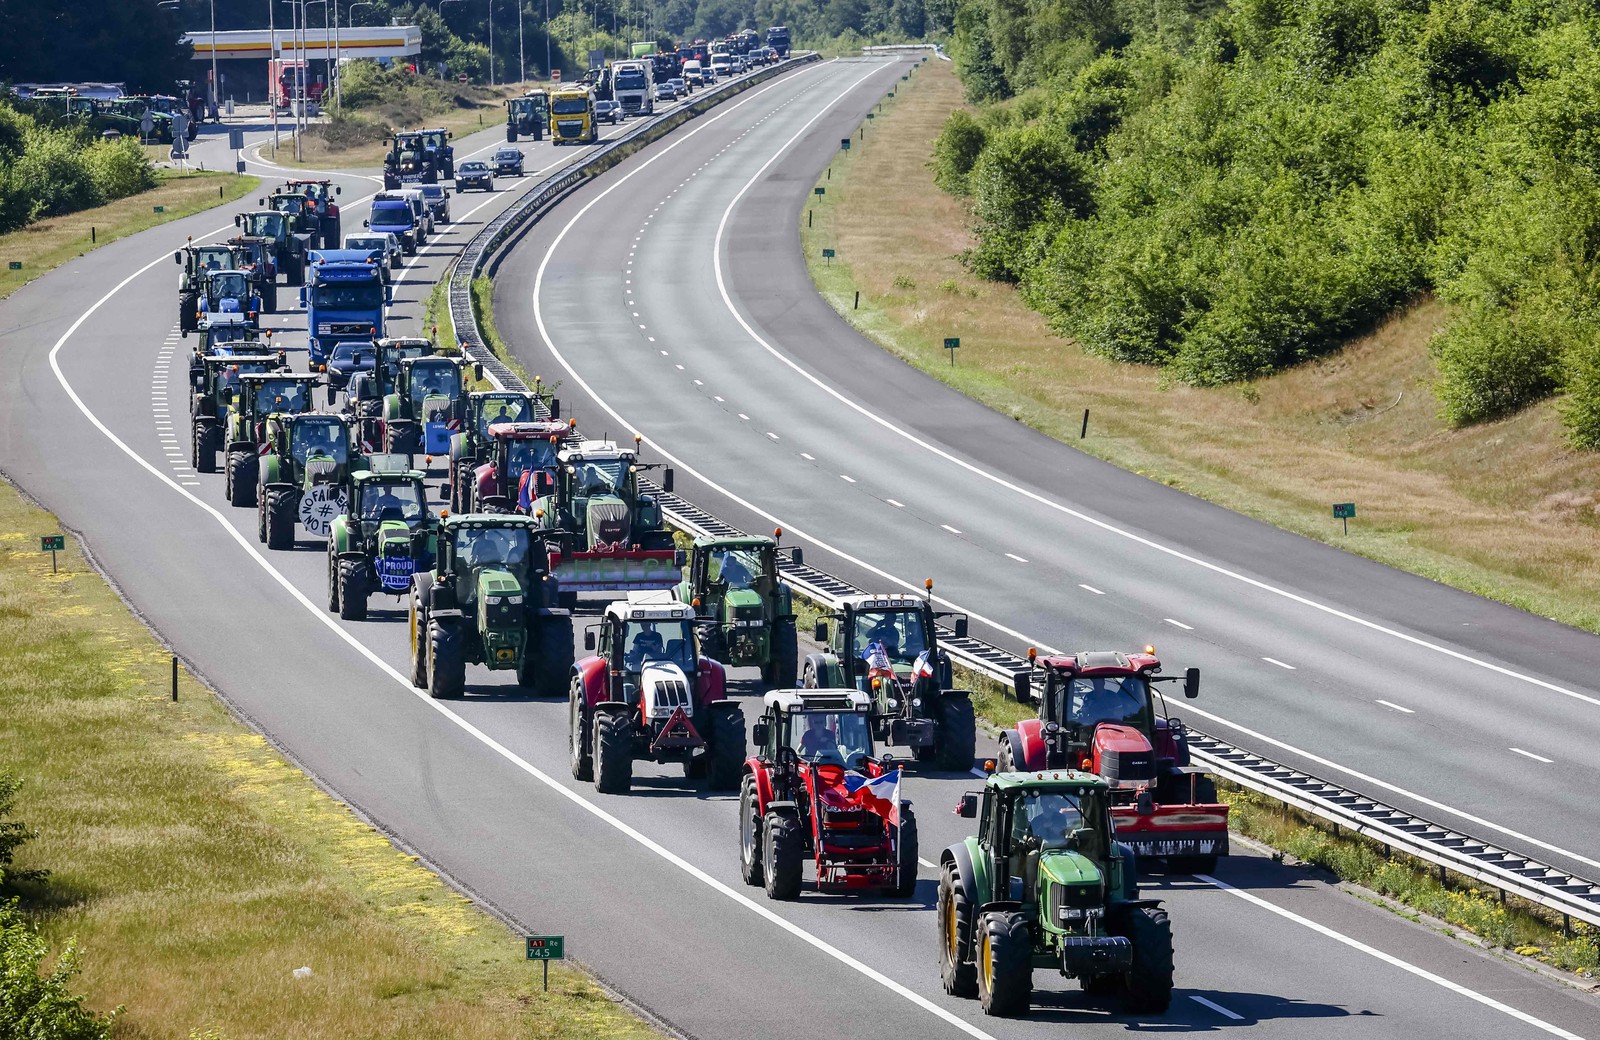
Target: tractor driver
x=387 y=507
x=818 y=740
x=1091 y=701
x=883 y=631
x=647 y=646
x=733 y=572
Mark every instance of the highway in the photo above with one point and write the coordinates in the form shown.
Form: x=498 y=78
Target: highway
x=646 y=886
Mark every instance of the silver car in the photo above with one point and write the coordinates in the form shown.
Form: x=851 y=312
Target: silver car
x=384 y=243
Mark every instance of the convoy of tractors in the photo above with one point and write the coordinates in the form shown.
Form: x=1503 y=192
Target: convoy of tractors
x=538 y=532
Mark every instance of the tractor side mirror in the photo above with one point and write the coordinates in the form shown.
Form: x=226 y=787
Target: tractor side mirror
x=797 y=556
x=366 y=223
x=177 y=258
x=388 y=295
x=961 y=627
x=588 y=639
x=238 y=220
x=1022 y=687
x=360 y=358
x=338 y=189
x=821 y=633
x=477 y=370
x=1191 y=683
x=759 y=733
x=680 y=559
x=262 y=203
x=967 y=808
x=1146 y=803
x=302 y=296
x=666 y=480
x=555 y=408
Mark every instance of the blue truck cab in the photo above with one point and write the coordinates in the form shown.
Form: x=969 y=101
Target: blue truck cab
x=393 y=213
x=344 y=297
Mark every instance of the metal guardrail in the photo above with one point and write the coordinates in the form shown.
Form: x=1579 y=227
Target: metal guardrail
x=1489 y=864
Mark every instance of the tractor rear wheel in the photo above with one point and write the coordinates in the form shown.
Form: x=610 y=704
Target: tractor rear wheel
x=188 y=304
x=726 y=753
x=447 y=665
x=783 y=657
x=547 y=657
x=1148 y=989
x=1005 y=964
x=418 y=622
x=269 y=296
x=714 y=644
x=204 y=452
x=578 y=734
x=352 y=588
x=461 y=490
x=613 y=753
x=749 y=832
x=333 y=580
x=280 y=514
x=241 y=478
x=782 y=856
x=957 y=739
x=960 y=977
x=905 y=846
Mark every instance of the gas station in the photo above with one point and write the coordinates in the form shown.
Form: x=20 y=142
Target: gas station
x=309 y=45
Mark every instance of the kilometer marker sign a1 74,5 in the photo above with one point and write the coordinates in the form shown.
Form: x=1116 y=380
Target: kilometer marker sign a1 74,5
x=546 y=948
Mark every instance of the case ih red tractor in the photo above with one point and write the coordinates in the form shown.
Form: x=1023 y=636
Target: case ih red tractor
x=1097 y=713
x=516 y=450
x=815 y=790
x=647 y=694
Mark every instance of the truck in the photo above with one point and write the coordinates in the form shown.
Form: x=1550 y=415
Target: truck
x=572 y=116
x=344 y=296
x=778 y=40
x=290 y=80
x=527 y=116
x=633 y=84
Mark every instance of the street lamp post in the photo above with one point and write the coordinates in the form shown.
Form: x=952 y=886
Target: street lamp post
x=272 y=66
x=547 y=66
x=522 y=56
x=215 y=86
x=305 y=27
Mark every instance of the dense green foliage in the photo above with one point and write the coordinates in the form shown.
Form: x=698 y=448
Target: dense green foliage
x=13 y=835
x=46 y=170
x=1225 y=192
x=132 y=43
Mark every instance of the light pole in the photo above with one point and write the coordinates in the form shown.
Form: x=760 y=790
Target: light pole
x=522 y=57
x=305 y=28
x=547 y=65
x=215 y=86
x=272 y=66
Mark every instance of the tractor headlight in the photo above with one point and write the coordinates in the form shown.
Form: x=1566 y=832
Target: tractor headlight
x=916 y=702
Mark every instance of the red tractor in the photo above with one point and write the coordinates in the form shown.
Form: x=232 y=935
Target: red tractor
x=648 y=694
x=1097 y=714
x=815 y=789
x=319 y=200
x=521 y=466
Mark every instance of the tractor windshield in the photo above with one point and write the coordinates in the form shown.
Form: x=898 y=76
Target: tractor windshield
x=227 y=375
x=218 y=335
x=900 y=631
x=600 y=477
x=1045 y=817
x=735 y=568
x=229 y=285
x=266 y=225
x=479 y=547
x=392 y=502
x=669 y=641
x=434 y=381
x=530 y=454
x=282 y=395
x=359 y=296
x=838 y=738
x=1110 y=698
x=214 y=259
x=510 y=408
x=319 y=437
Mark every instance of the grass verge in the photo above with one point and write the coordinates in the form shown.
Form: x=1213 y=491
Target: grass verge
x=198 y=869
x=43 y=246
x=1505 y=510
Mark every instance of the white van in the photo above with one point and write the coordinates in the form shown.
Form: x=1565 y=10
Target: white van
x=721 y=66
x=693 y=74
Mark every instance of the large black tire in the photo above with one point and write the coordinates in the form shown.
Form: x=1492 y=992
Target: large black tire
x=783 y=659
x=613 y=753
x=418 y=622
x=547 y=661
x=726 y=750
x=461 y=489
x=1006 y=760
x=333 y=580
x=578 y=734
x=280 y=515
x=203 y=454
x=511 y=135
x=782 y=856
x=714 y=644
x=1148 y=986
x=242 y=468
x=955 y=934
x=269 y=296
x=1005 y=964
x=906 y=854
x=353 y=588
x=750 y=845
x=447 y=665
x=188 y=304
x=957 y=737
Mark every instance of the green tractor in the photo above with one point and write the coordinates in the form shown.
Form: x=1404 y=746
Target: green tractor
x=426 y=404
x=365 y=390
x=290 y=246
x=303 y=475
x=887 y=646
x=258 y=396
x=489 y=599
x=385 y=537
x=746 y=610
x=471 y=446
x=1045 y=884
x=216 y=381
x=196 y=263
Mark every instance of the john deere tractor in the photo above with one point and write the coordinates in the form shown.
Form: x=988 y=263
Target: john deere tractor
x=491 y=600
x=385 y=537
x=365 y=392
x=1045 y=884
x=527 y=116
x=426 y=404
x=257 y=397
x=216 y=381
x=303 y=476
x=887 y=646
x=746 y=611
x=289 y=246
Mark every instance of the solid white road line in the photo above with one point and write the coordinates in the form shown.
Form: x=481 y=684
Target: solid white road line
x=1396 y=707
x=1536 y=758
x=1218 y=1008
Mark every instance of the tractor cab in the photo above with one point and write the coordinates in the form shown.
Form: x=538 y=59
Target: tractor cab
x=426 y=403
x=318 y=193
x=522 y=464
x=818 y=727
x=597 y=498
x=491 y=562
x=229 y=292
x=648 y=636
x=380 y=496
x=745 y=608
x=262 y=395
x=268 y=224
x=437 y=141
x=197 y=261
x=216 y=379
x=319 y=446
x=493 y=407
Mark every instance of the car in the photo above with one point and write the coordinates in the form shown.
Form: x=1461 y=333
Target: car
x=508 y=162
x=664 y=91
x=438 y=199
x=680 y=86
x=694 y=73
x=392 y=214
x=382 y=245
x=607 y=112
x=474 y=174
x=349 y=358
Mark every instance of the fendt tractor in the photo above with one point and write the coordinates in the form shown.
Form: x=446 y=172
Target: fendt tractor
x=197 y=262
x=520 y=463
x=410 y=161
x=258 y=396
x=385 y=536
x=1045 y=883
x=425 y=404
x=527 y=116
x=746 y=610
x=607 y=535
x=1097 y=713
x=470 y=446
x=815 y=790
x=490 y=600
x=303 y=476
x=255 y=256
x=887 y=647
x=289 y=247
x=647 y=694
x=215 y=383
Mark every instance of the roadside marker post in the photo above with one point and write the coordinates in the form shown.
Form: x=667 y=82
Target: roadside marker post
x=546 y=948
x=51 y=543
x=828 y=254
x=844 y=144
x=174 y=678
x=952 y=344
x=1344 y=511
x=15 y=265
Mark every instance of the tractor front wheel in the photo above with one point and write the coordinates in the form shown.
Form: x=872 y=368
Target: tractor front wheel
x=333 y=580
x=957 y=739
x=960 y=977
x=1148 y=989
x=204 y=451
x=1005 y=761
x=418 y=623
x=613 y=753
x=782 y=856
x=280 y=519
x=578 y=734
x=1005 y=964
x=749 y=832
x=905 y=847
x=783 y=657
x=726 y=753
x=447 y=665
x=352 y=590
x=241 y=478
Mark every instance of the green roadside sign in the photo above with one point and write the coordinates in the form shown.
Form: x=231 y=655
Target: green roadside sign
x=15 y=265
x=1344 y=510
x=547 y=947
x=160 y=209
x=844 y=144
x=827 y=254
x=819 y=191
x=52 y=543
x=952 y=342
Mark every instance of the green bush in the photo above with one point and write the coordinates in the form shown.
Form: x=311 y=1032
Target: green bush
x=119 y=168
x=1494 y=361
x=955 y=150
x=36 y=1003
x=13 y=835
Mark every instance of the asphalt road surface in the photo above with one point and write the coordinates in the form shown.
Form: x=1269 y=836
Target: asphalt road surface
x=646 y=886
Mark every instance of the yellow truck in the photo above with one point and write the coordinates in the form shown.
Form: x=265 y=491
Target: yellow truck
x=572 y=116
